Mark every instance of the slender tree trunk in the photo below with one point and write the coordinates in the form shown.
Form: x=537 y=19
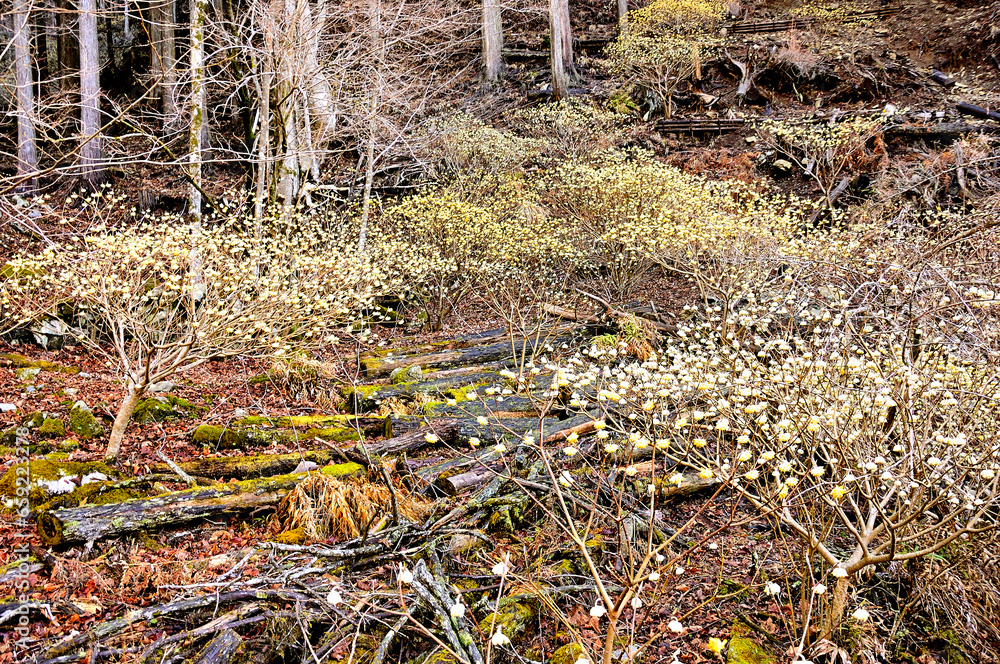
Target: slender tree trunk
x=91 y=152
x=559 y=28
x=622 y=15
x=163 y=57
x=27 y=151
x=122 y=419
x=492 y=40
x=263 y=146
x=52 y=64
x=375 y=92
x=69 y=45
x=199 y=10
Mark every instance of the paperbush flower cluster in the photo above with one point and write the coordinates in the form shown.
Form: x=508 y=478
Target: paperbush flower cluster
x=664 y=45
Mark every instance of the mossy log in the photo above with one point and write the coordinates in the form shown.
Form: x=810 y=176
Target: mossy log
x=467 y=428
x=249 y=467
x=93 y=522
x=220 y=650
x=369 y=426
x=445 y=431
x=20 y=361
x=364 y=398
x=383 y=366
x=241 y=438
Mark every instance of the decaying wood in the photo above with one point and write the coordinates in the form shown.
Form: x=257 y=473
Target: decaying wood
x=445 y=431
x=504 y=350
x=965 y=108
x=250 y=467
x=93 y=522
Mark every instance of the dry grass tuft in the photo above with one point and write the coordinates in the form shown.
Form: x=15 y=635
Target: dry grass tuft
x=325 y=507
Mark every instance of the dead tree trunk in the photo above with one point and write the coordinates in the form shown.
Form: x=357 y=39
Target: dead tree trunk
x=91 y=151
x=492 y=40
x=27 y=151
x=162 y=56
x=622 y=14
x=563 y=71
x=199 y=12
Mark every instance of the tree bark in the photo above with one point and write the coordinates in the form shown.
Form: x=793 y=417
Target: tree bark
x=622 y=15
x=163 y=56
x=91 y=150
x=199 y=12
x=69 y=52
x=125 y=411
x=492 y=40
x=27 y=151
x=561 y=43
x=835 y=612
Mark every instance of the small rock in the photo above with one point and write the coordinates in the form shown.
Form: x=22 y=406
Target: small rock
x=406 y=374
x=7 y=408
x=162 y=386
x=461 y=543
x=30 y=389
x=305 y=466
x=83 y=423
x=750 y=140
x=783 y=165
x=28 y=374
x=70 y=391
x=49 y=333
x=84 y=374
x=240 y=413
x=52 y=428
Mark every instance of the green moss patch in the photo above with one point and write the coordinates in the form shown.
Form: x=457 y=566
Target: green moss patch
x=743 y=649
x=20 y=361
x=163 y=408
x=28 y=475
x=52 y=428
x=83 y=423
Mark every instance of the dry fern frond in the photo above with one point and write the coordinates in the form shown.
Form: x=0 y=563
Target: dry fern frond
x=327 y=507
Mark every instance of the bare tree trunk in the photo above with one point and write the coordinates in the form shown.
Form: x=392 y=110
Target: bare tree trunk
x=52 y=64
x=838 y=604
x=263 y=145
x=27 y=151
x=622 y=15
x=163 y=56
x=69 y=52
x=122 y=419
x=199 y=11
x=492 y=40
x=91 y=152
x=560 y=36
x=375 y=92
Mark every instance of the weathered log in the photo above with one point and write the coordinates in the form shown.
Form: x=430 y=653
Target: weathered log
x=93 y=522
x=241 y=438
x=364 y=398
x=221 y=649
x=250 y=467
x=446 y=432
x=690 y=485
x=942 y=79
x=942 y=131
x=382 y=365
x=965 y=108
x=495 y=430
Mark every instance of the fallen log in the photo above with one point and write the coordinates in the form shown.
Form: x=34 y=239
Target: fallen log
x=241 y=438
x=383 y=365
x=221 y=649
x=942 y=131
x=364 y=398
x=965 y=108
x=93 y=522
x=250 y=467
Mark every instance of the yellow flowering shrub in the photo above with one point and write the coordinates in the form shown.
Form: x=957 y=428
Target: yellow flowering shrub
x=571 y=128
x=630 y=214
x=664 y=45
x=461 y=143
x=164 y=296
x=450 y=244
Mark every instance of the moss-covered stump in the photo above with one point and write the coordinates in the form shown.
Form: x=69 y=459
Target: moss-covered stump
x=20 y=361
x=163 y=408
x=83 y=423
x=743 y=649
x=242 y=438
x=38 y=473
x=93 y=522
x=52 y=428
